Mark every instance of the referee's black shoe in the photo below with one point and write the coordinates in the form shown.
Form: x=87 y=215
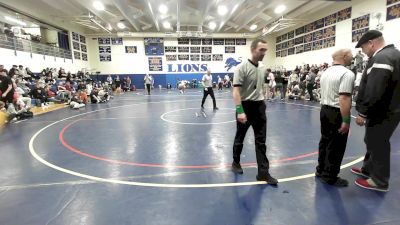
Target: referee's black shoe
x=268 y=178
x=339 y=182
x=237 y=168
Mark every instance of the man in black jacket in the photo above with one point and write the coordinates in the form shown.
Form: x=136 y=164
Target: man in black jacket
x=378 y=104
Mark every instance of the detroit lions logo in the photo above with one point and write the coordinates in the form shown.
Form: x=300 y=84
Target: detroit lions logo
x=231 y=62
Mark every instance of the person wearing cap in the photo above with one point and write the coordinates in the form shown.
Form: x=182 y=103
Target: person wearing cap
x=249 y=99
x=378 y=105
x=337 y=84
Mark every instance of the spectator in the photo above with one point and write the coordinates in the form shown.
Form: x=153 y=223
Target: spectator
x=311 y=82
x=6 y=87
x=39 y=94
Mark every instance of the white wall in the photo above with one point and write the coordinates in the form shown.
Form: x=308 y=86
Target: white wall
x=123 y=63
x=37 y=62
x=343 y=33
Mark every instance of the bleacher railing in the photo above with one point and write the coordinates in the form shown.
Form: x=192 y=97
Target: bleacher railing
x=19 y=44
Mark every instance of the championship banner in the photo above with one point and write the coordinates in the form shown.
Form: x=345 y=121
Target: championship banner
x=105 y=58
x=170 y=57
x=155 y=64
x=393 y=12
x=130 y=49
x=360 y=22
x=77 y=55
x=104 y=49
x=357 y=34
x=104 y=41
x=117 y=41
x=344 y=14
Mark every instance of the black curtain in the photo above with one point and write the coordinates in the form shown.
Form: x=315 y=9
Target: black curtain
x=63 y=41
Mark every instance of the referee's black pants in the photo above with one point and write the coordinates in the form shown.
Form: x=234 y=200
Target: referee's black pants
x=210 y=92
x=256 y=117
x=332 y=144
x=377 y=139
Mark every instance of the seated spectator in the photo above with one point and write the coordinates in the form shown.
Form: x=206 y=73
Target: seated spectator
x=76 y=102
x=13 y=71
x=39 y=94
x=62 y=92
x=22 y=99
x=22 y=84
x=94 y=96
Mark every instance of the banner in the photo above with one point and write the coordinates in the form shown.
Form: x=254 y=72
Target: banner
x=195 y=50
x=393 y=12
x=130 y=49
x=155 y=64
x=229 y=49
x=116 y=41
x=104 y=49
x=170 y=57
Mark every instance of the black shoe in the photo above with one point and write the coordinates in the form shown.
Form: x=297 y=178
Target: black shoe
x=269 y=179
x=318 y=174
x=216 y=108
x=237 y=168
x=338 y=183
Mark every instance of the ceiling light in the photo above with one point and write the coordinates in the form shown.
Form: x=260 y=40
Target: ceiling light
x=98 y=5
x=15 y=20
x=212 y=25
x=222 y=10
x=279 y=9
x=166 y=25
x=109 y=27
x=253 y=27
x=163 y=9
x=121 y=25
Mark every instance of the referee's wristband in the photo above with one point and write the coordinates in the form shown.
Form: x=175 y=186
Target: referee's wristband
x=346 y=119
x=239 y=109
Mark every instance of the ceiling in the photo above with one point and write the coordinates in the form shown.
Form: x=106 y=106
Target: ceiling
x=183 y=15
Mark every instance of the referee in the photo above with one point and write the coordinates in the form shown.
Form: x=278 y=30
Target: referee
x=248 y=96
x=208 y=89
x=378 y=104
x=337 y=84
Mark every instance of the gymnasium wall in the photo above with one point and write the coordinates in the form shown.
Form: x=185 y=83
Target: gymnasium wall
x=137 y=63
x=343 y=32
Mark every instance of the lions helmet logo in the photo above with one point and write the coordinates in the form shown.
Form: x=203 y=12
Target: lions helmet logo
x=232 y=62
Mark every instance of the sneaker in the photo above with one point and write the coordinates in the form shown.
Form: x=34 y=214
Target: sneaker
x=338 y=183
x=269 y=179
x=359 y=172
x=370 y=185
x=237 y=168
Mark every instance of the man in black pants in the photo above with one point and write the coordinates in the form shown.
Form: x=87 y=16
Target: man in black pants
x=310 y=83
x=249 y=99
x=208 y=89
x=378 y=104
x=337 y=84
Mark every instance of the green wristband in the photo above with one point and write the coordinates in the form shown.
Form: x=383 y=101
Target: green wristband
x=239 y=109
x=346 y=119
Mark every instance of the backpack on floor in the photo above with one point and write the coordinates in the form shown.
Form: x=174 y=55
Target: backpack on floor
x=25 y=115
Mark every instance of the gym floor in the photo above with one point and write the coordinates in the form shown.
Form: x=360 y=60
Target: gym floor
x=159 y=160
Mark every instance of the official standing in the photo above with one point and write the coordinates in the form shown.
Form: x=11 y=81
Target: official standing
x=148 y=81
x=248 y=96
x=378 y=104
x=337 y=84
x=208 y=89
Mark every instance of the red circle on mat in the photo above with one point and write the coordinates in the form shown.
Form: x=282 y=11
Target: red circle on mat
x=73 y=149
